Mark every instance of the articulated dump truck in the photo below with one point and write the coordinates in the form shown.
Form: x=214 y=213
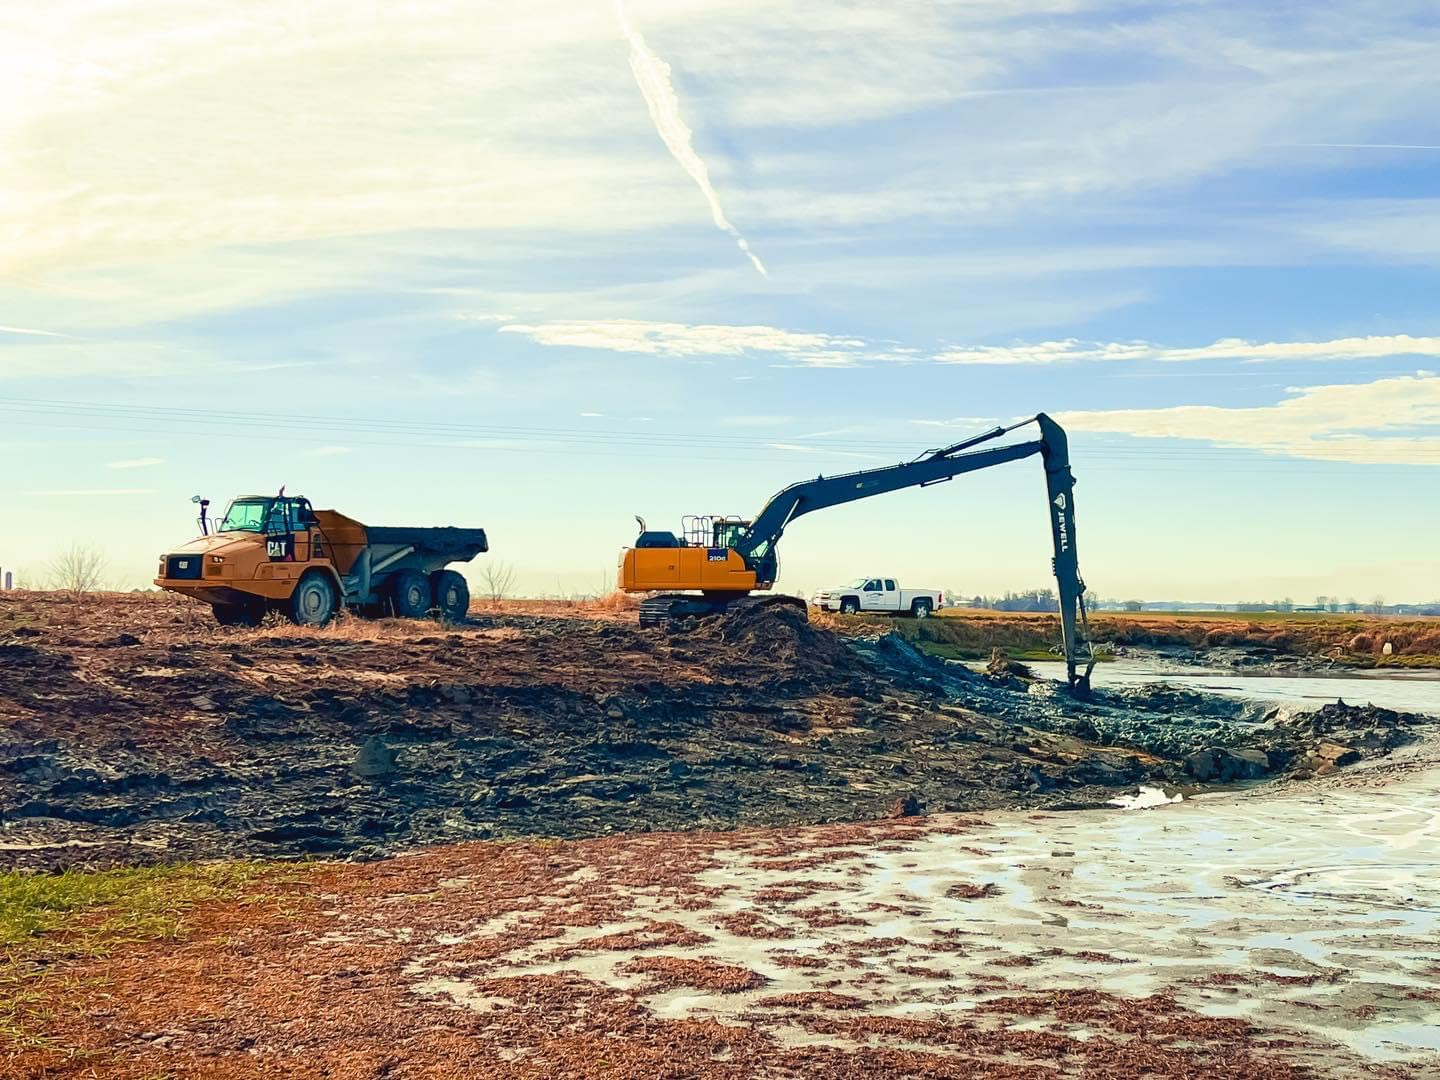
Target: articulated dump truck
x=276 y=553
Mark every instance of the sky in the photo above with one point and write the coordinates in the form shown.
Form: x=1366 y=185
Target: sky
x=540 y=268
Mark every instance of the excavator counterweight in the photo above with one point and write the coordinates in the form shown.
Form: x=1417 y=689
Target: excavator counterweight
x=720 y=562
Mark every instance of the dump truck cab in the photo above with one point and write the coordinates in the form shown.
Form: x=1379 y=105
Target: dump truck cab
x=278 y=553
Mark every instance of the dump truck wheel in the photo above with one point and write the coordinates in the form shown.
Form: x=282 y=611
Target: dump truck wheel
x=239 y=614
x=410 y=596
x=313 y=602
x=452 y=595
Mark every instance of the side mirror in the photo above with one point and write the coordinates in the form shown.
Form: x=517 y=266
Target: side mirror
x=196 y=499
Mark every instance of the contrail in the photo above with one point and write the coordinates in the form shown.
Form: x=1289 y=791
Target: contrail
x=652 y=75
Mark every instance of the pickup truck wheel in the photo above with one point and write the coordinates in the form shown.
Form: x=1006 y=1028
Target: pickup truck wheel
x=239 y=614
x=452 y=595
x=314 y=602
x=920 y=609
x=849 y=606
x=410 y=596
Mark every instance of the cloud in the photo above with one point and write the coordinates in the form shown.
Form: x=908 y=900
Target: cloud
x=652 y=76
x=136 y=463
x=692 y=341
x=959 y=422
x=93 y=492
x=29 y=332
x=817 y=349
x=1393 y=421
x=1363 y=146
x=800 y=448
x=1072 y=350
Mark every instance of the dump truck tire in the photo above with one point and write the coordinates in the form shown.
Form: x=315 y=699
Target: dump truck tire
x=314 y=601
x=410 y=596
x=452 y=595
x=239 y=614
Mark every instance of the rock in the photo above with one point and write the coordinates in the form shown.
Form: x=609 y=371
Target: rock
x=909 y=806
x=374 y=759
x=614 y=711
x=1224 y=765
x=1336 y=754
x=1001 y=667
x=125 y=640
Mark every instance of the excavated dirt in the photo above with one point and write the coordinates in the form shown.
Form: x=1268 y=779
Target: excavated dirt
x=132 y=729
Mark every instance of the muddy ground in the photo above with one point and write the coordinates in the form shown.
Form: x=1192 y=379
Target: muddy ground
x=1284 y=935
x=134 y=730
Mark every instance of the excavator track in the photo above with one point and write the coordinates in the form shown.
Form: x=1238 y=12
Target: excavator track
x=673 y=607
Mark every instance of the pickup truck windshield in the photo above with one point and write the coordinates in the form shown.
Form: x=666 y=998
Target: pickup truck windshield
x=245 y=515
x=858 y=583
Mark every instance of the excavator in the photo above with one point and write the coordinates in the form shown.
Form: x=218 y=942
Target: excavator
x=718 y=562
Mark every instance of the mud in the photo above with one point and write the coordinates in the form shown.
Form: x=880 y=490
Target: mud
x=1263 y=934
x=134 y=730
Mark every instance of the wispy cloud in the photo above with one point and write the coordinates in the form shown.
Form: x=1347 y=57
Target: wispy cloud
x=687 y=341
x=1071 y=350
x=1392 y=421
x=27 y=331
x=1361 y=146
x=958 y=422
x=801 y=448
x=817 y=349
x=652 y=75
x=136 y=463
x=85 y=493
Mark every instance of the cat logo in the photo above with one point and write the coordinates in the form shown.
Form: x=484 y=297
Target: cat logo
x=273 y=548
x=1060 y=500
x=184 y=564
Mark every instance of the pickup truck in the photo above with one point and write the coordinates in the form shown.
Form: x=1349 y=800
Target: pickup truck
x=879 y=594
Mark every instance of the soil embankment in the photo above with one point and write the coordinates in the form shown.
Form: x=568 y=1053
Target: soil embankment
x=134 y=730
x=1303 y=641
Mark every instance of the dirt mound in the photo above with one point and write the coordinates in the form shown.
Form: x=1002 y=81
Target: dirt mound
x=781 y=634
x=197 y=741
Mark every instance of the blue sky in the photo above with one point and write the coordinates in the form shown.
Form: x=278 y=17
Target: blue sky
x=543 y=270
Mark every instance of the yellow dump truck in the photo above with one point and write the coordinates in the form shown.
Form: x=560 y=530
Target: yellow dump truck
x=276 y=553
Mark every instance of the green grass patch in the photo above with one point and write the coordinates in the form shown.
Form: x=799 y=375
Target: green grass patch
x=45 y=918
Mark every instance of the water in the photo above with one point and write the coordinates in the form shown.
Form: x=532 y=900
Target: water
x=1313 y=911
x=1406 y=692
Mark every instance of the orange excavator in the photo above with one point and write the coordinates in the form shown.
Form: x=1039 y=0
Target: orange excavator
x=718 y=562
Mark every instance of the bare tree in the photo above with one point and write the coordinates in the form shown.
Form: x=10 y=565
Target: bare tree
x=77 y=571
x=499 y=578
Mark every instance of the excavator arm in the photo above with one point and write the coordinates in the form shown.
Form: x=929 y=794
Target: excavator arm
x=758 y=543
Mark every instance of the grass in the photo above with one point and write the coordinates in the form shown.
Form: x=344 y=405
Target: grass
x=45 y=918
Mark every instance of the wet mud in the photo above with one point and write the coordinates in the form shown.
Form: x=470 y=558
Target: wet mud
x=1287 y=934
x=134 y=730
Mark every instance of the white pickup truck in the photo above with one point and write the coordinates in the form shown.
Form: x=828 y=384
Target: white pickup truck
x=879 y=594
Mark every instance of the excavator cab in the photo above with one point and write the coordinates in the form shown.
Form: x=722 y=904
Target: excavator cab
x=718 y=531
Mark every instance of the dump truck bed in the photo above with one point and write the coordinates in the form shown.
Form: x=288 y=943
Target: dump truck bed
x=460 y=544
